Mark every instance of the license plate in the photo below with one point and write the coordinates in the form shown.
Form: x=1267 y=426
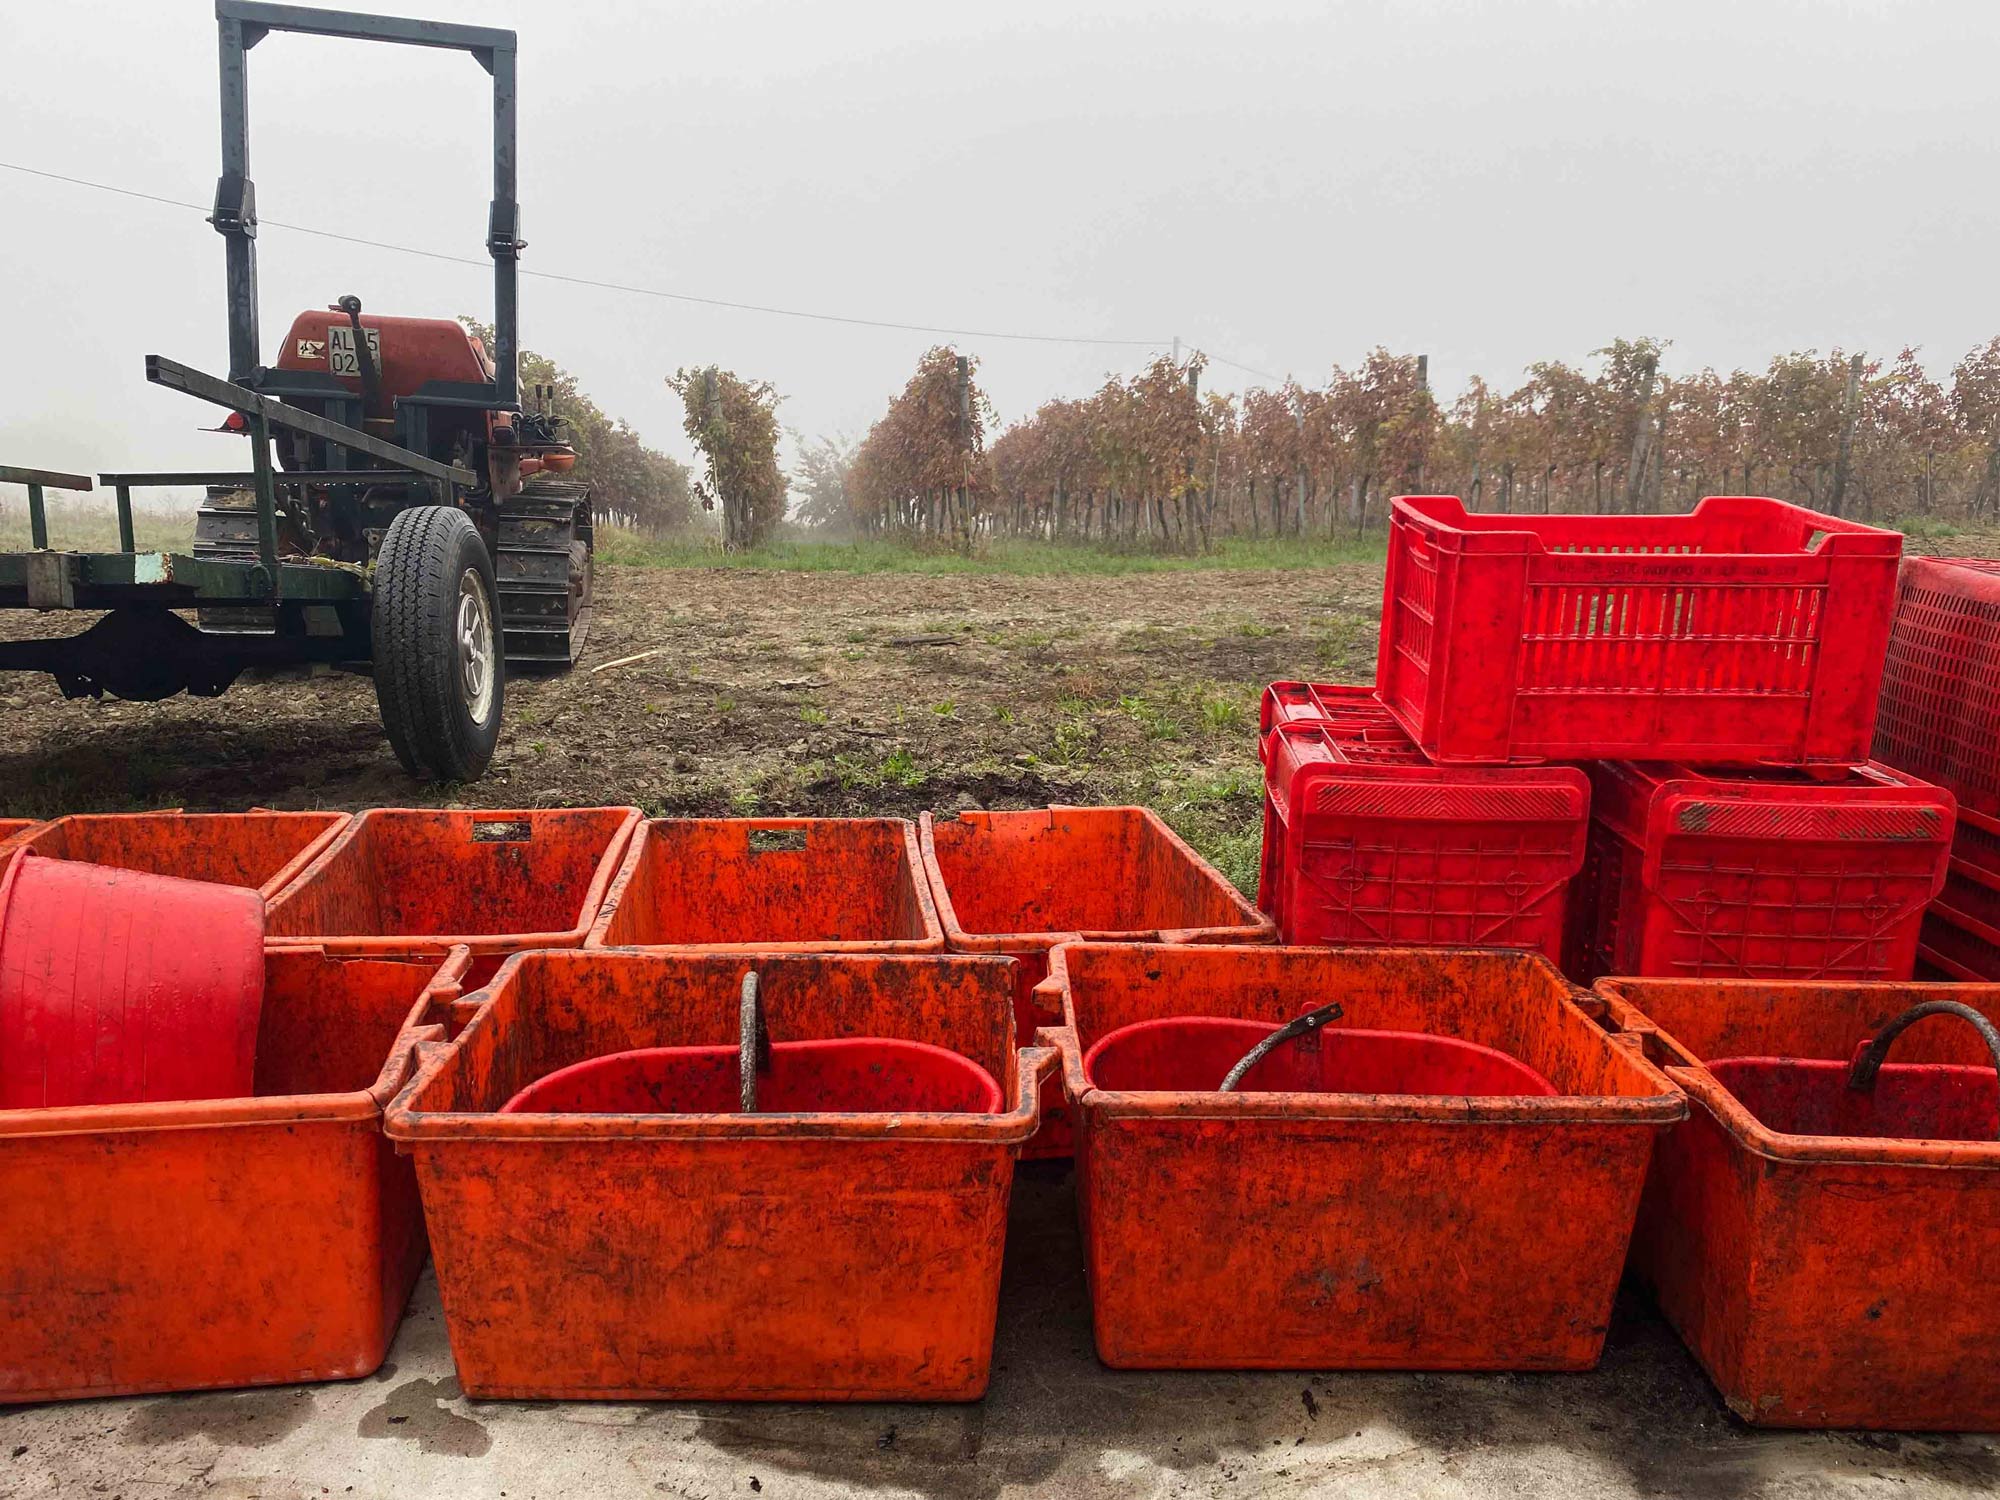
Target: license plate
x=340 y=356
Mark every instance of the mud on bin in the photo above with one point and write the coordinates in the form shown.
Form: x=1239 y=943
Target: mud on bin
x=724 y=1254
x=1309 y=1228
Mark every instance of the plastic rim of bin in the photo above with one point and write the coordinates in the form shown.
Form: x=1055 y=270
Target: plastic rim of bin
x=1781 y=1091
x=120 y=987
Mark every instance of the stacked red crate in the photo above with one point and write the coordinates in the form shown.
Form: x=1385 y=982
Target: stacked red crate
x=1716 y=676
x=1940 y=718
x=1366 y=841
x=1757 y=873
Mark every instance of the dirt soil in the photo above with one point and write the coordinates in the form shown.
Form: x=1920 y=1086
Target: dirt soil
x=776 y=692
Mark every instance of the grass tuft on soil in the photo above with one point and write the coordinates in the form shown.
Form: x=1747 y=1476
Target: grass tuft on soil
x=991 y=556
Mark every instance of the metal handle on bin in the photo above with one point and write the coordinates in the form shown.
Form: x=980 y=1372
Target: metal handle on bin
x=1872 y=1054
x=753 y=1055
x=1299 y=1026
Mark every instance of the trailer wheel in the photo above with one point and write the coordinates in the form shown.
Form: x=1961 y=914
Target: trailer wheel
x=439 y=675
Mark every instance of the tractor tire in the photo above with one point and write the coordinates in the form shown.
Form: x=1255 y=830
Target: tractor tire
x=439 y=675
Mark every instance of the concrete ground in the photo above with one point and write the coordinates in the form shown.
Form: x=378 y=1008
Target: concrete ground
x=1055 y=1423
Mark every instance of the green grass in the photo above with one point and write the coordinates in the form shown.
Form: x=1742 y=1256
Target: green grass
x=82 y=526
x=1925 y=528
x=619 y=545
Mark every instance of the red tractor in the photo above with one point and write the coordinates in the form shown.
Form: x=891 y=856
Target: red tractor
x=403 y=514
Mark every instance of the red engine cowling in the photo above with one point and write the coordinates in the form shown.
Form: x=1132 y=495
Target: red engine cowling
x=408 y=352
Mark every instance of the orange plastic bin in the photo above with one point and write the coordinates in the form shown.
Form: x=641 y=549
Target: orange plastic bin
x=424 y=880
x=820 y=885
x=1822 y=1280
x=14 y=827
x=1317 y=1230
x=721 y=1256
x=255 y=1241
x=259 y=849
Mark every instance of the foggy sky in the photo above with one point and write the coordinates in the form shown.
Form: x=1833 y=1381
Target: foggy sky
x=1283 y=185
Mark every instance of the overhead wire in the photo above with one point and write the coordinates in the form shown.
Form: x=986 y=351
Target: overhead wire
x=630 y=289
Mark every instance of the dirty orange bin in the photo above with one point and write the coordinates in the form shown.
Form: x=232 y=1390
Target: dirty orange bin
x=730 y=1255
x=424 y=880
x=821 y=885
x=1019 y=883
x=1301 y=1228
x=14 y=827
x=259 y=849
x=230 y=1242
x=1825 y=1279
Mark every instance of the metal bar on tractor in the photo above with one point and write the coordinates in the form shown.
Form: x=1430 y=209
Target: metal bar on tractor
x=267 y=497
x=241 y=24
x=503 y=228
x=125 y=539
x=235 y=214
x=363 y=27
x=243 y=479
x=38 y=520
x=176 y=376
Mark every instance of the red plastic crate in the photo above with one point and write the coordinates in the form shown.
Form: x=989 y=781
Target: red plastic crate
x=1940 y=708
x=1953 y=946
x=1748 y=630
x=1756 y=873
x=1365 y=841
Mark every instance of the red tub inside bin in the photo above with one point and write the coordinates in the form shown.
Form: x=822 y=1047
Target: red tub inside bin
x=1756 y=873
x=1747 y=630
x=1366 y=841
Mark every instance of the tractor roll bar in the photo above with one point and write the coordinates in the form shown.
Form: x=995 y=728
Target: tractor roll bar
x=241 y=25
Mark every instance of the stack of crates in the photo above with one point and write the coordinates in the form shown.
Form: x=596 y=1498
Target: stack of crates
x=1940 y=719
x=1639 y=744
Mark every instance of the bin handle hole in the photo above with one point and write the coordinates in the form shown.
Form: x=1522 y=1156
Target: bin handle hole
x=1298 y=1026
x=503 y=831
x=777 y=840
x=1869 y=1058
